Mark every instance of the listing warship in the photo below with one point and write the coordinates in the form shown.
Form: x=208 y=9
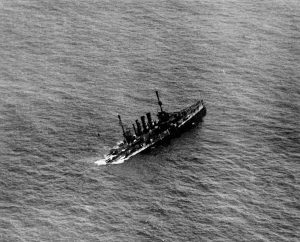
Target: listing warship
x=150 y=133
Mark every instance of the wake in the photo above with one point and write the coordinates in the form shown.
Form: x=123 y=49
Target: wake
x=102 y=162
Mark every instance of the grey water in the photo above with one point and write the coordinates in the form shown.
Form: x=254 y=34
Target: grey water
x=67 y=68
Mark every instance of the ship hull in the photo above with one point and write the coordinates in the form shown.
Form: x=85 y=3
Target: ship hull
x=196 y=119
x=189 y=117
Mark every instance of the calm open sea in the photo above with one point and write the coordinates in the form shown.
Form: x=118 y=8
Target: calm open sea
x=67 y=68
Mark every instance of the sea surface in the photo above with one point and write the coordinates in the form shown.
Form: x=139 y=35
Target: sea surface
x=68 y=67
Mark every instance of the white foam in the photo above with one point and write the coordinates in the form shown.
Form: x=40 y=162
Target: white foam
x=100 y=162
x=119 y=161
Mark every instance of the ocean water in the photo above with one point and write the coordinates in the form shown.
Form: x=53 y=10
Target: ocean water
x=67 y=68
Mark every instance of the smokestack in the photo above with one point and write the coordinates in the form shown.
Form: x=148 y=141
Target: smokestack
x=138 y=127
x=149 y=120
x=134 y=129
x=144 y=124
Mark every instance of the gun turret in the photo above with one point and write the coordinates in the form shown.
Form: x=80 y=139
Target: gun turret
x=128 y=136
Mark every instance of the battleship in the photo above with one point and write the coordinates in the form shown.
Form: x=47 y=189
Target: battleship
x=150 y=133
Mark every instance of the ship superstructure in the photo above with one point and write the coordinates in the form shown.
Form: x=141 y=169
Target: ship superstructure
x=149 y=133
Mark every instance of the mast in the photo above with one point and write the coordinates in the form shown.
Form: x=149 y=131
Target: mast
x=121 y=124
x=159 y=102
